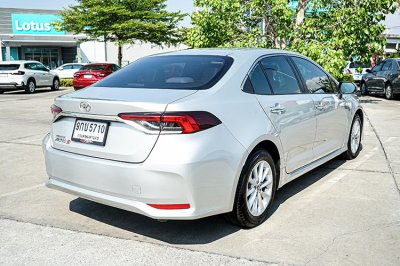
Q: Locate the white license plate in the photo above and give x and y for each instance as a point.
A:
(91, 132)
(2, 75)
(87, 76)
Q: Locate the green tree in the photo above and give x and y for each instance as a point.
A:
(328, 31)
(123, 22)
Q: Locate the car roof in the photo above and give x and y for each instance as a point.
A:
(99, 64)
(228, 52)
(73, 64)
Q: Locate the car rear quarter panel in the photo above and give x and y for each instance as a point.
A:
(239, 112)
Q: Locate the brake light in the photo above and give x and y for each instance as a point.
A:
(173, 122)
(19, 73)
(100, 75)
(348, 71)
(55, 110)
(170, 206)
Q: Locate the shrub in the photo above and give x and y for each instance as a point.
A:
(346, 77)
(66, 82)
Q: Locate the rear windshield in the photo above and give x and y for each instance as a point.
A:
(186, 72)
(9, 66)
(358, 64)
(93, 67)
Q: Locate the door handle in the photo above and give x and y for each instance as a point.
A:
(321, 106)
(277, 109)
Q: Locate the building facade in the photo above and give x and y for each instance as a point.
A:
(33, 34)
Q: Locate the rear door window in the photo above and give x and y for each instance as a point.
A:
(9, 66)
(77, 66)
(280, 75)
(187, 72)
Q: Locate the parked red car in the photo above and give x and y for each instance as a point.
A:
(91, 73)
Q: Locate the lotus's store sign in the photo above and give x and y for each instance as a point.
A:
(37, 24)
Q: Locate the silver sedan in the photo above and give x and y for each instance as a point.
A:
(196, 133)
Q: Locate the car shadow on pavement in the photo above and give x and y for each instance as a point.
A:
(369, 100)
(201, 231)
(38, 91)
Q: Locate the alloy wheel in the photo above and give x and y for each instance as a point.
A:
(31, 87)
(56, 84)
(355, 136)
(259, 188)
(388, 92)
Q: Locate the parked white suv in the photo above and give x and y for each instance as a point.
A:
(67, 71)
(27, 75)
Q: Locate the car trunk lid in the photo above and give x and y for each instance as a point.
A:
(124, 140)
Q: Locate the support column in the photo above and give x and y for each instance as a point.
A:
(105, 51)
(8, 51)
(78, 53)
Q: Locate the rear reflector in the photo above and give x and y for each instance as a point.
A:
(170, 206)
(174, 122)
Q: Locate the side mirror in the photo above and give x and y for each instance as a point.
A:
(47, 69)
(60, 68)
(347, 87)
(368, 70)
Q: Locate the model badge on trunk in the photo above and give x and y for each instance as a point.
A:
(85, 106)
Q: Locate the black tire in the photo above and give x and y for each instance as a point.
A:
(1, 91)
(349, 154)
(30, 86)
(388, 92)
(241, 214)
(56, 84)
(364, 88)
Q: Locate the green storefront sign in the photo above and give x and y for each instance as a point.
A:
(37, 24)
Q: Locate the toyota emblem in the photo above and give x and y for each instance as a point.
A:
(85, 106)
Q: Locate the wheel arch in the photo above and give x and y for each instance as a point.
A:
(30, 78)
(271, 145)
(388, 82)
(273, 150)
(360, 113)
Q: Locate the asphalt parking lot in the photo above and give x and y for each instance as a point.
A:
(342, 213)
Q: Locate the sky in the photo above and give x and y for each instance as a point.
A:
(186, 6)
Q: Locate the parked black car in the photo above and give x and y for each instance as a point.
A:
(384, 79)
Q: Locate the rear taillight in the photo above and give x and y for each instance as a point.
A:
(100, 75)
(76, 75)
(55, 110)
(19, 73)
(348, 71)
(173, 122)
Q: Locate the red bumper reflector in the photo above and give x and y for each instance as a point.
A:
(170, 206)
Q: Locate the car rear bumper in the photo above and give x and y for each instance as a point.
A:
(11, 85)
(78, 84)
(207, 181)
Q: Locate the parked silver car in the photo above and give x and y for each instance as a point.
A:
(195, 133)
